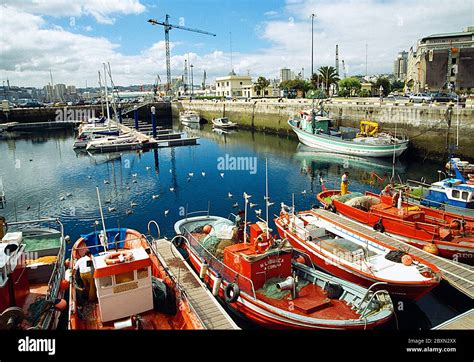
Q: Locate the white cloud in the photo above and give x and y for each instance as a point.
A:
(101, 10)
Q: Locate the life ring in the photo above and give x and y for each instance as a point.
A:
(231, 293)
(114, 258)
(262, 244)
(379, 226)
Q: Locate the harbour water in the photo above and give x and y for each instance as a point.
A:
(44, 176)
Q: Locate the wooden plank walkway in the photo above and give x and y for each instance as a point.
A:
(204, 303)
(462, 321)
(459, 275)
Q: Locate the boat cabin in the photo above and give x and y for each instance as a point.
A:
(254, 260)
(123, 283)
(451, 191)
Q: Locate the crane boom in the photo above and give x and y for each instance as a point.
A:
(167, 26)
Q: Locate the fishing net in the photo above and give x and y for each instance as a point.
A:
(270, 289)
(342, 198)
(363, 202)
(36, 309)
(395, 255)
(216, 246)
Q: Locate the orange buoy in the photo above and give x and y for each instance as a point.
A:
(431, 248)
(300, 259)
(207, 229)
(63, 284)
(60, 304)
(407, 260)
(67, 263)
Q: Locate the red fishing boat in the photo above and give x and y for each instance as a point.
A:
(357, 257)
(132, 288)
(32, 269)
(436, 231)
(259, 278)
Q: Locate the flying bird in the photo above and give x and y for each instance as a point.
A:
(171, 189)
(203, 174)
(167, 212)
(258, 212)
(155, 196)
(303, 192)
(252, 205)
(191, 174)
(129, 212)
(222, 174)
(112, 209)
(229, 195)
(236, 205)
(148, 168)
(62, 198)
(134, 174)
(133, 204)
(106, 182)
(69, 194)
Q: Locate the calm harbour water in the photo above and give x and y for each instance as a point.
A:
(44, 176)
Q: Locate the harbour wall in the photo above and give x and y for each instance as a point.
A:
(430, 128)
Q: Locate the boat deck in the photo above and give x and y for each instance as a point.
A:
(462, 321)
(205, 305)
(459, 275)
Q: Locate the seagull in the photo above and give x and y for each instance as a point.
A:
(129, 212)
(171, 189)
(203, 174)
(155, 196)
(69, 194)
(166, 212)
(134, 181)
(258, 212)
(89, 177)
(148, 168)
(134, 174)
(62, 198)
(270, 204)
(28, 207)
(108, 201)
(133, 204)
(128, 187)
(252, 205)
(112, 209)
(222, 174)
(303, 192)
(236, 205)
(106, 182)
(229, 195)
(188, 179)
(171, 170)
(191, 174)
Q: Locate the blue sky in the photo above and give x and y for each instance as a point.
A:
(73, 38)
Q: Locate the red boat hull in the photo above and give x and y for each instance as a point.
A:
(397, 290)
(417, 234)
(258, 313)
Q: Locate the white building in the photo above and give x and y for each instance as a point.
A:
(232, 85)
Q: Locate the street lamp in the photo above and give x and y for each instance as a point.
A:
(312, 44)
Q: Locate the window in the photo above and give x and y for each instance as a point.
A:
(455, 194)
(142, 273)
(105, 282)
(124, 277)
(465, 195)
(227, 83)
(240, 83)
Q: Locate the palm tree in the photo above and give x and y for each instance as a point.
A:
(328, 76)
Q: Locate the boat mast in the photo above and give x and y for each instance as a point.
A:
(394, 148)
(106, 94)
(267, 199)
(101, 98)
(246, 198)
(102, 217)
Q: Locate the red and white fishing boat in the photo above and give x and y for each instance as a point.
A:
(447, 234)
(259, 278)
(357, 257)
(133, 289)
(32, 270)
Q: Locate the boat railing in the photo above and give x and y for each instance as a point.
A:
(366, 308)
(227, 273)
(198, 212)
(369, 290)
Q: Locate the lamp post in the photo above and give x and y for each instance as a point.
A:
(312, 44)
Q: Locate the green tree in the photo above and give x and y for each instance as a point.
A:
(298, 85)
(398, 85)
(385, 83)
(328, 76)
(261, 84)
(349, 86)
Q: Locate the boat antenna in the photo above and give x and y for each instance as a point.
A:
(394, 148)
(106, 94)
(246, 198)
(267, 199)
(102, 217)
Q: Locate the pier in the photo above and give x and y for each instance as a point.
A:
(462, 321)
(459, 275)
(205, 305)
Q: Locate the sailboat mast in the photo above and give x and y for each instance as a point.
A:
(101, 98)
(394, 148)
(106, 94)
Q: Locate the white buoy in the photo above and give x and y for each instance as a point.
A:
(217, 285)
(203, 271)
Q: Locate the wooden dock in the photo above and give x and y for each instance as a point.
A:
(204, 303)
(462, 321)
(459, 275)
